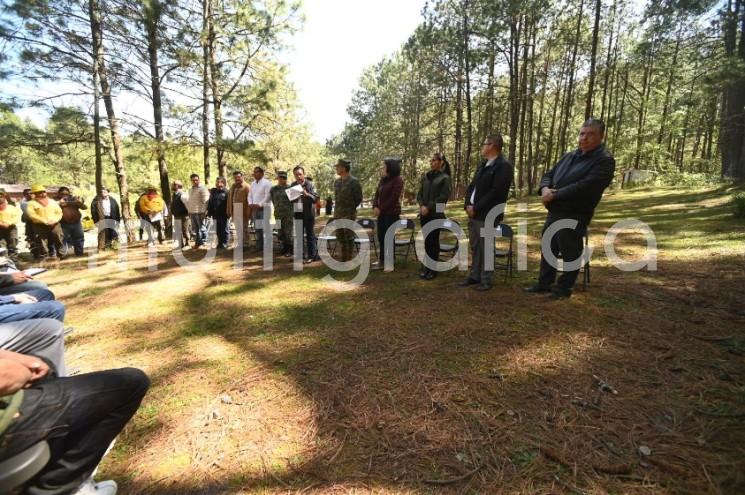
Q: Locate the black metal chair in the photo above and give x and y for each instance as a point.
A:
(503, 258)
(586, 268)
(450, 247)
(20, 468)
(400, 242)
(369, 225)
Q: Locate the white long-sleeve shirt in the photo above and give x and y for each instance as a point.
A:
(259, 192)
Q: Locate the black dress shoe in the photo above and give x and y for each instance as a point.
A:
(430, 275)
(468, 281)
(558, 294)
(423, 273)
(537, 289)
(482, 287)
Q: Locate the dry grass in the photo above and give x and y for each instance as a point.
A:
(273, 383)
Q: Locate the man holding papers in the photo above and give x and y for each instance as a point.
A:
(307, 199)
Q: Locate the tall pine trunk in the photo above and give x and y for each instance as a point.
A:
(116, 140)
(152, 12)
(593, 60)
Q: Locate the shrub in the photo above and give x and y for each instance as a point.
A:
(739, 202)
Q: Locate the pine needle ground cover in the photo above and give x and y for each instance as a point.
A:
(276, 382)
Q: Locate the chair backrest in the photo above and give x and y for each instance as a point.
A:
(505, 231)
(20, 468)
(448, 222)
(406, 224)
(366, 223)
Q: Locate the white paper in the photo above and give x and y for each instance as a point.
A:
(294, 192)
(34, 271)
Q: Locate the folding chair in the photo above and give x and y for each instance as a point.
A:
(20, 468)
(399, 242)
(586, 268)
(504, 232)
(447, 247)
(328, 239)
(369, 225)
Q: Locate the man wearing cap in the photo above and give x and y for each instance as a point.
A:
(283, 212)
(348, 194)
(238, 202)
(154, 209)
(71, 216)
(46, 214)
(9, 218)
(104, 207)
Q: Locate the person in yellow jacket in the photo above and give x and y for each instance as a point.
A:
(45, 215)
(153, 208)
(9, 216)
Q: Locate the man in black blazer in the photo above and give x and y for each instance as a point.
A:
(571, 190)
(488, 189)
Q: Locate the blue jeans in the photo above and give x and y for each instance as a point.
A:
(197, 227)
(40, 290)
(73, 237)
(32, 311)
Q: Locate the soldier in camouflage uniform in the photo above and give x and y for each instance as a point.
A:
(348, 196)
(283, 213)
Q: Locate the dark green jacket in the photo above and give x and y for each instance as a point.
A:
(282, 205)
(435, 189)
(348, 197)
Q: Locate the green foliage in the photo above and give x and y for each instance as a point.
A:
(687, 179)
(739, 203)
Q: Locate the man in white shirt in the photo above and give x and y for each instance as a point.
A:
(196, 205)
(258, 198)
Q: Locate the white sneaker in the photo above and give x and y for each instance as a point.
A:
(90, 487)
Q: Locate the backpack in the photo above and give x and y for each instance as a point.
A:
(178, 208)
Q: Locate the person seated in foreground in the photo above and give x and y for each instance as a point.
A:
(78, 416)
(28, 306)
(43, 337)
(16, 282)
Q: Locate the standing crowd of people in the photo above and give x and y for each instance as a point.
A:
(80, 416)
(570, 190)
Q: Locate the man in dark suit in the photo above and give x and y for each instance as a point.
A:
(104, 207)
(308, 214)
(488, 189)
(571, 191)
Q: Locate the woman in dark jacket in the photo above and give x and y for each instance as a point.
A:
(435, 189)
(387, 201)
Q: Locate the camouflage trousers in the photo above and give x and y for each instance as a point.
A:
(285, 233)
(345, 241)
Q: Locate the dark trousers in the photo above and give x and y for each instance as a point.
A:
(309, 224)
(106, 237)
(384, 223)
(10, 236)
(52, 236)
(73, 237)
(223, 231)
(182, 238)
(79, 416)
(432, 241)
(567, 245)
